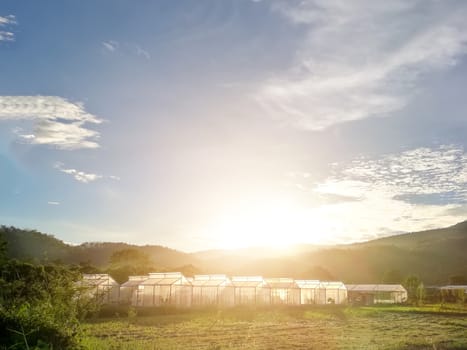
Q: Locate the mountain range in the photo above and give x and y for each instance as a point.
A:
(434, 256)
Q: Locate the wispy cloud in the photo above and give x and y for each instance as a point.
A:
(78, 175)
(57, 122)
(6, 36)
(126, 48)
(53, 203)
(82, 176)
(412, 190)
(5, 22)
(110, 45)
(142, 52)
(422, 171)
(10, 19)
(362, 58)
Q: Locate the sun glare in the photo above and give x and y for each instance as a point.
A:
(272, 224)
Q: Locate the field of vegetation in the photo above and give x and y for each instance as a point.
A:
(44, 305)
(390, 327)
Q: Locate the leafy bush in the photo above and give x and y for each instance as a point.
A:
(40, 307)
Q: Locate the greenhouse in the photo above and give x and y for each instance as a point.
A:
(283, 291)
(212, 290)
(318, 292)
(101, 286)
(250, 290)
(161, 289)
(129, 292)
(367, 294)
(309, 291)
(454, 293)
(334, 293)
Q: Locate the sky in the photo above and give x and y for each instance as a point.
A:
(202, 124)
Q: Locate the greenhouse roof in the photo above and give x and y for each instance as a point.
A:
(210, 280)
(210, 283)
(166, 275)
(164, 279)
(248, 281)
(333, 284)
(210, 277)
(281, 283)
(98, 279)
(134, 281)
(454, 287)
(308, 283)
(375, 288)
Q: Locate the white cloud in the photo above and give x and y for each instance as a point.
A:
(422, 171)
(82, 176)
(6, 21)
(6, 36)
(363, 58)
(57, 122)
(141, 52)
(78, 175)
(111, 45)
(126, 48)
(414, 190)
(53, 203)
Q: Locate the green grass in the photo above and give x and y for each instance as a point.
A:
(395, 327)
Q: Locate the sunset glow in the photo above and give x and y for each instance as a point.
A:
(222, 124)
(268, 224)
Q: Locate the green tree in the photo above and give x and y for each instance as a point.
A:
(128, 262)
(411, 284)
(87, 267)
(188, 270)
(3, 251)
(126, 256)
(39, 306)
(421, 293)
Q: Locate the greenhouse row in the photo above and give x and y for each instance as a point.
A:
(174, 289)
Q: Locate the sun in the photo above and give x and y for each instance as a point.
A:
(278, 223)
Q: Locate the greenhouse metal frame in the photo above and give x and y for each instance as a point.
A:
(102, 287)
(212, 290)
(309, 291)
(283, 291)
(174, 289)
(376, 293)
(129, 291)
(251, 290)
(163, 289)
(334, 293)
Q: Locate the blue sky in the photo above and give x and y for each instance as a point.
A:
(204, 124)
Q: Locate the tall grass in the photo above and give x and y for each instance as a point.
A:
(378, 327)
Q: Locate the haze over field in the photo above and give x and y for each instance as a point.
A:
(225, 124)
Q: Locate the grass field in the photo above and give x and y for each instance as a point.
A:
(395, 327)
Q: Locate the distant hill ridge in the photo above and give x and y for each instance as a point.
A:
(433, 255)
(36, 246)
(421, 238)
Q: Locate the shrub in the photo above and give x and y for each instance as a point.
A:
(39, 306)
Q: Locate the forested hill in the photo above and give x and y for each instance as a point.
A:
(36, 246)
(435, 256)
(33, 245)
